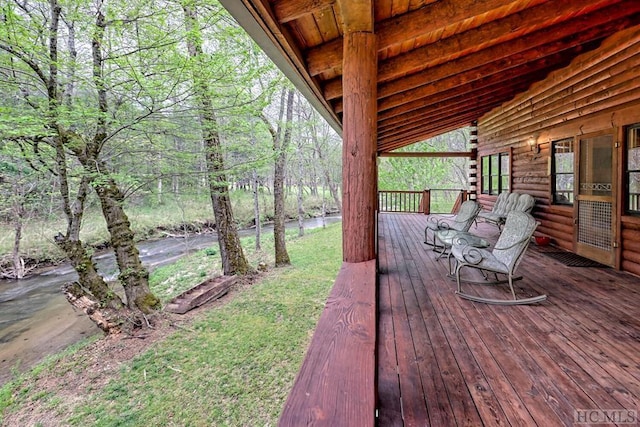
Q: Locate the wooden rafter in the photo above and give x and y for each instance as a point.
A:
(427, 154)
(396, 30)
(439, 62)
(290, 10)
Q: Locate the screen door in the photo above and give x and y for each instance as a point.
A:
(595, 198)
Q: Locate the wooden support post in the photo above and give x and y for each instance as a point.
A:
(462, 197)
(426, 202)
(359, 146)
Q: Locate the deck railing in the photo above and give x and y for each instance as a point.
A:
(401, 201)
(336, 383)
(435, 200)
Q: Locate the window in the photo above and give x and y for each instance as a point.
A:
(484, 167)
(633, 170)
(495, 173)
(562, 171)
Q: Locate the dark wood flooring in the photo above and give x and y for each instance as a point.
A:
(444, 361)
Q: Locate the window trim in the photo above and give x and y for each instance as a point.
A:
(627, 172)
(486, 176)
(553, 172)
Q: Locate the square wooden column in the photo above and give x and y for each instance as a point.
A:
(359, 176)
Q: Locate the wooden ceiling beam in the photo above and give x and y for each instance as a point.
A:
(419, 134)
(429, 154)
(357, 15)
(395, 30)
(459, 106)
(588, 27)
(535, 45)
(527, 61)
(435, 119)
(482, 77)
(290, 10)
(430, 18)
(325, 57)
(440, 128)
(428, 113)
(502, 71)
(494, 33)
(419, 131)
(496, 84)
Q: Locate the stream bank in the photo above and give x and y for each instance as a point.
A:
(36, 320)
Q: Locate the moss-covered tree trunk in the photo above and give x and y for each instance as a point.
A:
(233, 259)
(91, 292)
(133, 276)
(280, 148)
(88, 276)
(91, 286)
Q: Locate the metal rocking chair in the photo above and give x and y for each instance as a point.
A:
(504, 258)
(467, 213)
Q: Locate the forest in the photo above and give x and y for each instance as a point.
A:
(111, 106)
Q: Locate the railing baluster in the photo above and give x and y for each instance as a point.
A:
(439, 200)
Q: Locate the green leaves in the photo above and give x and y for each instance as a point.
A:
(419, 173)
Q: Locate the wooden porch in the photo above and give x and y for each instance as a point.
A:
(446, 361)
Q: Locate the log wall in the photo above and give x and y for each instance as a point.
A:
(598, 91)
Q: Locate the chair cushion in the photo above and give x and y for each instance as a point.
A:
(498, 206)
(482, 258)
(525, 203)
(509, 204)
(436, 222)
(505, 203)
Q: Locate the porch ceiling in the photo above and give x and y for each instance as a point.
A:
(441, 63)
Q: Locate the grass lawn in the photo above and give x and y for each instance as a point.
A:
(233, 365)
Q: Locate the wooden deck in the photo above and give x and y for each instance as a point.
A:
(446, 361)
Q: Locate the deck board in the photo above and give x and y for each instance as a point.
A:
(443, 360)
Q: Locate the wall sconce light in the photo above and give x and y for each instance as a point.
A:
(533, 146)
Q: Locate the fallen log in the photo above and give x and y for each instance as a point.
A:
(106, 319)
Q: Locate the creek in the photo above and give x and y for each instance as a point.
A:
(36, 320)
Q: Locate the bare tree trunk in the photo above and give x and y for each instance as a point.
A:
(300, 189)
(255, 185)
(333, 188)
(18, 262)
(256, 208)
(233, 259)
(159, 190)
(18, 215)
(300, 212)
(324, 211)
